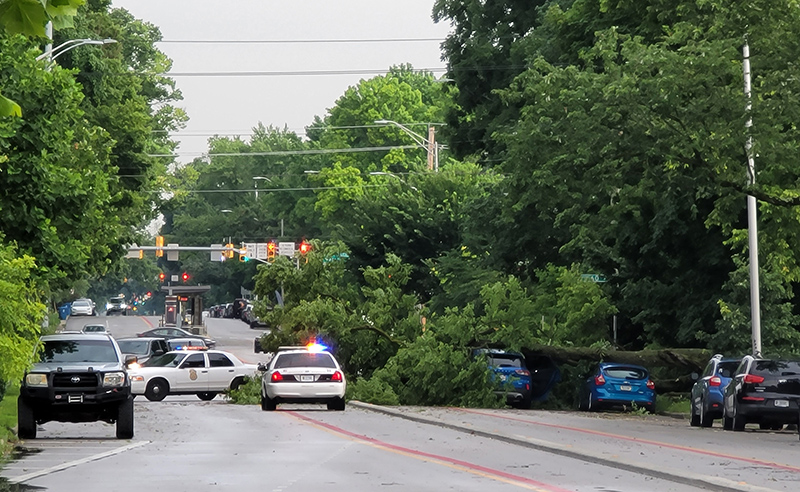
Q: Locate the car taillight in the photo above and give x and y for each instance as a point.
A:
(599, 380)
(336, 376)
(276, 376)
(715, 381)
(650, 384)
(523, 372)
(753, 379)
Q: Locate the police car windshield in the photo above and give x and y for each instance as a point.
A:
(305, 359)
(166, 360)
(65, 351)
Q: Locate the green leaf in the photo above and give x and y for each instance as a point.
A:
(9, 107)
(23, 16)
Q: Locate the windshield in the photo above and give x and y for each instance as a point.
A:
(310, 359)
(133, 346)
(776, 368)
(625, 372)
(499, 360)
(166, 360)
(81, 303)
(93, 328)
(65, 351)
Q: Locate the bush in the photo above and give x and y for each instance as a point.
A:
(248, 393)
(373, 390)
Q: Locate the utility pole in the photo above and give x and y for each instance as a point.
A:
(752, 222)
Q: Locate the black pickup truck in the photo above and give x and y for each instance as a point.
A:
(78, 377)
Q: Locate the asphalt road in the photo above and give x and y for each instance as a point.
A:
(184, 444)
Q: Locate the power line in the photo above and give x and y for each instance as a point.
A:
(287, 152)
(296, 41)
(295, 73)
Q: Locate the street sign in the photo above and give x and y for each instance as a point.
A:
(261, 251)
(172, 252)
(250, 249)
(593, 277)
(217, 254)
(286, 249)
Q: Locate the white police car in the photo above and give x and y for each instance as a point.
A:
(308, 374)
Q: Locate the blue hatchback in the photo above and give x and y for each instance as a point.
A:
(708, 390)
(614, 384)
(511, 376)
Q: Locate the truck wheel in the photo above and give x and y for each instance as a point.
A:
(26, 422)
(156, 390)
(125, 420)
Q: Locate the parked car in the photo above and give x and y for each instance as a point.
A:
(82, 307)
(511, 376)
(708, 390)
(614, 384)
(763, 391)
(187, 344)
(143, 347)
(169, 332)
(302, 375)
(249, 317)
(182, 372)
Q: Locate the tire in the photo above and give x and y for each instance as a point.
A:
(156, 390)
(337, 404)
(776, 427)
(236, 383)
(125, 420)
(737, 422)
(257, 346)
(727, 423)
(705, 418)
(590, 405)
(207, 395)
(694, 420)
(764, 427)
(26, 421)
(268, 404)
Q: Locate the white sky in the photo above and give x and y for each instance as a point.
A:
(235, 104)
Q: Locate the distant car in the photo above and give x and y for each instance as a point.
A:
(117, 305)
(763, 391)
(187, 372)
(249, 317)
(165, 332)
(302, 375)
(143, 347)
(186, 344)
(708, 390)
(94, 328)
(511, 376)
(614, 384)
(82, 307)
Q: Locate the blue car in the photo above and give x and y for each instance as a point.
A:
(708, 390)
(511, 376)
(614, 384)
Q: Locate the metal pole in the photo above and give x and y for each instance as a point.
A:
(752, 219)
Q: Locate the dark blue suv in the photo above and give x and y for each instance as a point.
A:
(708, 390)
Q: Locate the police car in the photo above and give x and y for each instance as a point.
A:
(307, 374)
(190, 372)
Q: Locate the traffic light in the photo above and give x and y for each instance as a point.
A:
(162, 276)
(272, 249)
(159, 244)
(243, 254)
(229, 250)
(304, 248)
(185, 277)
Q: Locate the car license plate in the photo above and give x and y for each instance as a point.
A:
(503, 377)
(625, 387)
(782, 403)
(306, 378)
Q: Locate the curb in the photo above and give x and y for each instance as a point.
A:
(676, 476)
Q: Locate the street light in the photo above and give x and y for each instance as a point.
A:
(429, 144)
(256, 179)
(383, 173)
(52, 53)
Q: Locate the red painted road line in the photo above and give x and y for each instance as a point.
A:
(705, 452)
(144, 318)
(470, 466)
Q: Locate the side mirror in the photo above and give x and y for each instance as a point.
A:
(695, 376)
(130, 359)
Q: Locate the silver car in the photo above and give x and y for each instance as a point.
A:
(82, 307)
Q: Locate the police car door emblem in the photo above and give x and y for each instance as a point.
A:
(192, 374)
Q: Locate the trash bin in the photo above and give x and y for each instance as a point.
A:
(64, 309)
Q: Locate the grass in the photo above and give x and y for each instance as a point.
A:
(8, 421)
(673, 403)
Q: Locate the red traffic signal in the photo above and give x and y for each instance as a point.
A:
(162, 276)
(185, 277)
(304, 248)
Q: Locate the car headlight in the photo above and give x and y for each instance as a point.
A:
(114, 379)
(34, 379)
(108, 305)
